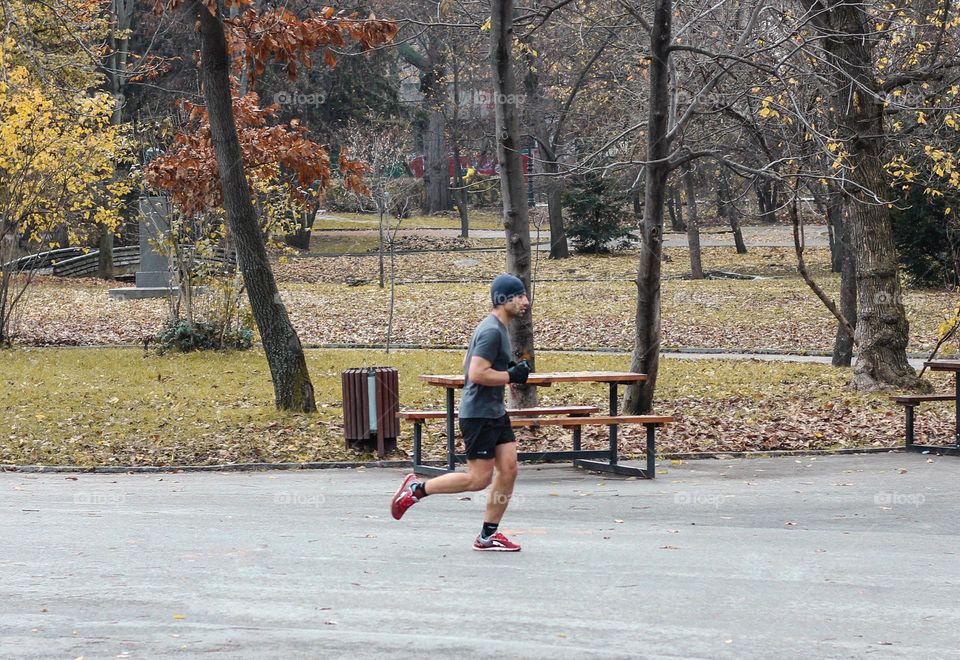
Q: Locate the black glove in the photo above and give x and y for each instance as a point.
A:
(519, 371)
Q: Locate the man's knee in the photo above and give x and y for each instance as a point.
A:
(509, 470)
(480, 479)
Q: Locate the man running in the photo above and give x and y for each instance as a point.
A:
(484, 423)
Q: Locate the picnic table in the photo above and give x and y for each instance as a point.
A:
(954, 366)
(581, 458)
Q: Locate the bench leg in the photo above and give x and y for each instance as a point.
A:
(651, 451)
(417, 443)
(451, 459)
(909, 437)
(956, 410)
(614, 450)
(577, 437)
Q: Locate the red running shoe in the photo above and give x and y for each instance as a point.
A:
(496, 543)
(404, 497)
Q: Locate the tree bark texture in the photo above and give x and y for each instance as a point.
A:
(843, 343)
(693, 228)
(728, 209)
(516, 222)
(436, 158)
(882, 329)
(288, 368)
(559, 248)
(647, 333)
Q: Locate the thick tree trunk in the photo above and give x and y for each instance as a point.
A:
(300, 237)
(729, 210)
(882, 329)
(436, 157)
(515, 219)
(693, 227)
(843, 343)
(646, 350)
(559, 249)
(291, 381)
(436, 176)
(105, 257)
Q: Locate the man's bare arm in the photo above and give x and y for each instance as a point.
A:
(482, 373)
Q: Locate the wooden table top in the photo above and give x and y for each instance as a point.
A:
(457, 380)
(943, 365)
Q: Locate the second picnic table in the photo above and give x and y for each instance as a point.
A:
(613, 379)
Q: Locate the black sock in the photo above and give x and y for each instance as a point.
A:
(420, 489)
(489, 529)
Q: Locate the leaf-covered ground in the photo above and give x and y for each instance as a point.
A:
(127, 407)
(582, 302)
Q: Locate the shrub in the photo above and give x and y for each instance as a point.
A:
(183, 336)
(598, 217)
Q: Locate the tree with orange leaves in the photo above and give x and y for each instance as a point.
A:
(231, 139)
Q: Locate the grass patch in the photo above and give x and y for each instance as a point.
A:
(344, 242)
(125, 407)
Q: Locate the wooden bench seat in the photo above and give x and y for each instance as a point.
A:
(911, 401)
(606, 420)
(414, 415)
(916, 399)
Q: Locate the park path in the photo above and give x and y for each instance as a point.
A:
(830, 556)
(815, 236)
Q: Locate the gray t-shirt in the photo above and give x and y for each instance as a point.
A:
(491, 341)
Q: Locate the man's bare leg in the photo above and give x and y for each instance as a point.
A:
(477, 477)
(502, 488)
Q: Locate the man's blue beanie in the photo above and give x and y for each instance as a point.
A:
(504, 288)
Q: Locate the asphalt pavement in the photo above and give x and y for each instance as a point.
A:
(828, 557)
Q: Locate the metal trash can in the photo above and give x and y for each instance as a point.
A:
(371, 408)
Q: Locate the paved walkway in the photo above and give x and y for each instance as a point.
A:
(816, 236)
(846, 556)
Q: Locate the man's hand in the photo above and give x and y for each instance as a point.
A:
(519, 371)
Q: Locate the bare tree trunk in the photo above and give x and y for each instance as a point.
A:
(646, 350)
(460, 197)
(693, 228)
(291, 381)
(728, 209)
(121, 15)
(843, 343)
(300, 237)
(381, 203)
(676, 210)
(436, 166)
(515, 219)
(767, 200)
(559, 249)
(882, 330)
(105, 257)
(436, 158)
(838, 230)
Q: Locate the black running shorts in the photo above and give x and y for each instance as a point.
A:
(482, 435)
